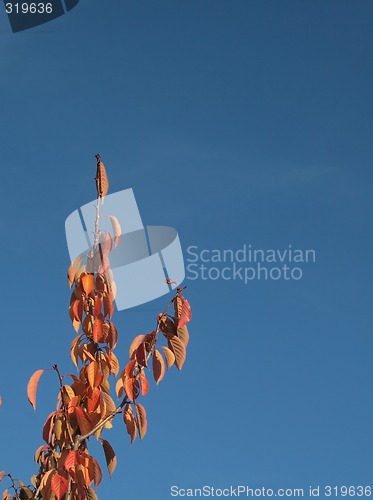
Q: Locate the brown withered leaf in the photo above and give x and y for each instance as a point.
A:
(111, 459)
(97, 473)
(183, 335)
(169, 355)
(91, 494)
(102, 182)
(141, 355)
(32, 387)
(117, 230)
(158, 366)
(178, 348)
(141, 420)
(166, 325)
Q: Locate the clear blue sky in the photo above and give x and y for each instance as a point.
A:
(235, 122)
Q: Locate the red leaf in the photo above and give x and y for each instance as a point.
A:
(71, 460)
(59, 485)
(186, 314)
(32, 387)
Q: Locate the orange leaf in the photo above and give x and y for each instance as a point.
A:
(98, 305)
(59, 485)
(169, 355)
(130, 422)
(111, 459)
(32, 387)
(2, 474)
(144, 384)
(77, 308)
(158, 366)
(130, 368)
(88, 283)
(141, 420)
(116, 229)
(83, 419)
(98, 329)
(178, 348)
(108, 306)
(135, 343)
(132, 388)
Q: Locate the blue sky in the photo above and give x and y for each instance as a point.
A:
(234, 122)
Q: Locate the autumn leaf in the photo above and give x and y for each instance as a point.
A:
(88, 283)
(77, 309)
(132, 388)
(178, 348)
(83, 419)
(111, 459)
(32, 387)
(2, 474)
(158, 366)
(135, 344)
(71, 460)
(144, 383)
(141, 420)
(183, 335)
(73, 270)
(102, 183)
(186, 314)
(59, 485)
(117, 230)
(130, 422)
(141, 355)
(169, 355)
